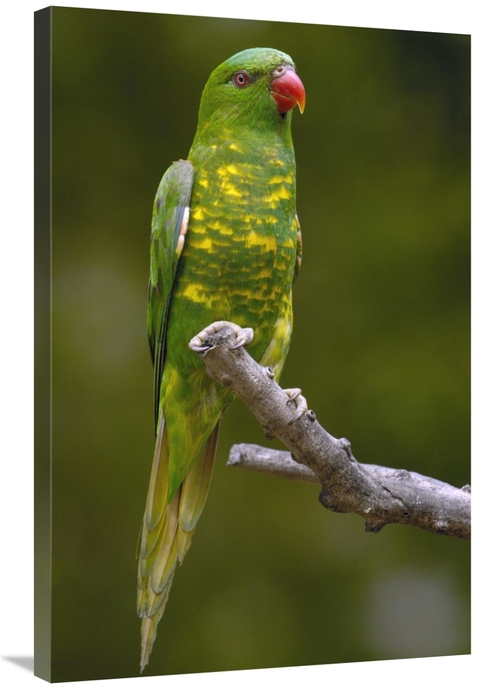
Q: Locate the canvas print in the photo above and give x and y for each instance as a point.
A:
(252, 344)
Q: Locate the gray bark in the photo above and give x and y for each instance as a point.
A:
(378, 494)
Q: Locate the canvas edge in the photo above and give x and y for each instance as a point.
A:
(42, 349)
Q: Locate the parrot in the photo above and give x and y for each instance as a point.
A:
(226, 247)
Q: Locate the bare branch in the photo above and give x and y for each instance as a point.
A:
(378, 494)
(271, 462)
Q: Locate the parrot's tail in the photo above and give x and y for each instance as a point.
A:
(166, 532)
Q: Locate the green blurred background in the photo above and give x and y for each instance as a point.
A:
(380, 347)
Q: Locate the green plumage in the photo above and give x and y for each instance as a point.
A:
(225, 245)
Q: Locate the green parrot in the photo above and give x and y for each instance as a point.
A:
(225, 246)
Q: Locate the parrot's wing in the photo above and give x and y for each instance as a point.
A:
(169, 226)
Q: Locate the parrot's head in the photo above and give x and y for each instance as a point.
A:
(254, 88)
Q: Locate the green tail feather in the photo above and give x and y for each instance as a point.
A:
(167, 531)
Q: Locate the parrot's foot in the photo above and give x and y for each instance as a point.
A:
(295, 396)
(204, 340)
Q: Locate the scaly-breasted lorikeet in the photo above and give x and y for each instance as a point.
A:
(225, 246)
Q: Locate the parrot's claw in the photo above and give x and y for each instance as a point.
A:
(198, 347)
(243, 337)
(295, 395)
(203, 341)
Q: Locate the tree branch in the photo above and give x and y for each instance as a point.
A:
(378, 494)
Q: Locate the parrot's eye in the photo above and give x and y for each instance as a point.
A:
(240, 79)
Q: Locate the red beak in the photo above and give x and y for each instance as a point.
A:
(288, 91)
